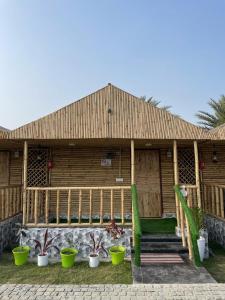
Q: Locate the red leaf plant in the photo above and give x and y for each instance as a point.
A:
(48, 243)
(115, 231)
(97, 245)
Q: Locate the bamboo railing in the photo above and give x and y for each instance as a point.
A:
(213, 199)
(40, 205)
(137, 227)
(191, 201)
(192, 231)
(10, 201)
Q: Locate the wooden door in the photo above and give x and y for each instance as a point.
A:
(4, 168)
(147, 176)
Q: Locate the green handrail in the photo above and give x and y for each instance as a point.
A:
(193, 228)
(137, 226)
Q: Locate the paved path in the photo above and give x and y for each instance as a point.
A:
(116, 292)
(175, 273)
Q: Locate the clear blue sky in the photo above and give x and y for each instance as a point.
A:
(54, 52)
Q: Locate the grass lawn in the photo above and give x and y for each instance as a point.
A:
(216, 264)
(154, 226)
(55, 274)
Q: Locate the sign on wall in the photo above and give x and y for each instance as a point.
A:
(106, 162)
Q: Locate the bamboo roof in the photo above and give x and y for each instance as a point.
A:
(218, 133)
(3, 132)
(110, 113)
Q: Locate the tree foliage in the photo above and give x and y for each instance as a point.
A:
(217, 117)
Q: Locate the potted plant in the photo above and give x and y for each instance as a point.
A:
(198, 216)
(96, 247)
(20, 253)
(68, 255)
(117, 254)
(44, 247)
(115, 231)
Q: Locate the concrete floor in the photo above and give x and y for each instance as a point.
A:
(171, 273)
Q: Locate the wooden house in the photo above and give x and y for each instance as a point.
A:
(75, 166)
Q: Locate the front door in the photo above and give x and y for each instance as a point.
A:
(147, 175)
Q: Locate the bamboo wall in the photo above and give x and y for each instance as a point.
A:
(82, 167)
(213, 172)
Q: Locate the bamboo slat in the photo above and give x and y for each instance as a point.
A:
(57, 206)
(101, 206)
(69, 207)
(46, 206)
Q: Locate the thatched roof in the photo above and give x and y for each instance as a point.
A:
(218, 133)
(3, 132)
(110, 113)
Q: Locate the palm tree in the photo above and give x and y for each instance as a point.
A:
(217, 117)
(155, 103)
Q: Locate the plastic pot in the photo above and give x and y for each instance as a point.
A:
(68, 257)
(42, 260)
(21, 255)
(201, 247)
(117, 254)
(93, 260)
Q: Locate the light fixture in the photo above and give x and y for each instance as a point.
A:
(148, 144)
(17, 154)
(214, 156)
(71, 144)
(169, 153)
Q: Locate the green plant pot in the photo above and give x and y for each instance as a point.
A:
(68, 257)
(21, 255)
(117, 254)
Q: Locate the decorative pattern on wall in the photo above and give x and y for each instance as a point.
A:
(78, 238)
(186, 164)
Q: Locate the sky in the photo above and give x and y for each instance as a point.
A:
(54, 52)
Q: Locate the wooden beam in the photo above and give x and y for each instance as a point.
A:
(176, 179)
(25, 160)
(197, 179)
(132, 163)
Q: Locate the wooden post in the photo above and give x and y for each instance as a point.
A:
(91, 207)
(112, 205)
(221, 203)
(176, 179)
(46, 206)
(57, 206)
(132, 163)
(36, 207)
(197, 179)
(69, 207)
(101, 206)
(25, 159)
(80, 207)
(122, 205)
(132, 182)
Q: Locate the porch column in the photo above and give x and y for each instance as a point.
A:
(132, 162)
(25, 156)
(176, 179)
(197, 179)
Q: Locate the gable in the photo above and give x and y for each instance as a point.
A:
(109, 113)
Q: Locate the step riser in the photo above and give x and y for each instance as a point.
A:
(183, 251)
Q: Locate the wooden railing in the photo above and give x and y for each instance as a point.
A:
(188, 222)
(75, 206)
(213, 199)
(10, 201)
(192, 201)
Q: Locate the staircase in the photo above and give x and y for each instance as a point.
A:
(162, 249)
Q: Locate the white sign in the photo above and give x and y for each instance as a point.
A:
(106, 162)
